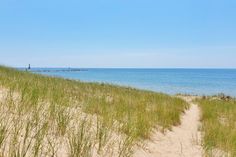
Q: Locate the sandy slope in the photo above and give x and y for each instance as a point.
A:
(114, 141)
(182, 141)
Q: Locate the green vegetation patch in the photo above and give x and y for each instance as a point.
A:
(219, 124)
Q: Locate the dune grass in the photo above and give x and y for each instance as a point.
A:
(44, 116)
(219, 125)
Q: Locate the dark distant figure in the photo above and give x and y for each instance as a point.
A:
(29, 67)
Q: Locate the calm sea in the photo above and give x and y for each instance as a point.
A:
(171, 81)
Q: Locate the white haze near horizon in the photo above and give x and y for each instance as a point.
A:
(161, 58)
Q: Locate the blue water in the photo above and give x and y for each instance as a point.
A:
(171, 81)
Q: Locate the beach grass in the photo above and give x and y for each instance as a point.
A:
(219, 126)
(44, 116)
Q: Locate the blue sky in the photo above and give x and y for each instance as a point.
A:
(118, 33)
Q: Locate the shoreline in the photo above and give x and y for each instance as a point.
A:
(44, 73)
(161, 81)
(220, 94)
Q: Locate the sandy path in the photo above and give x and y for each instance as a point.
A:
(182, 141)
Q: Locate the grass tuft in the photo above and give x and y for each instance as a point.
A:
(219, 125)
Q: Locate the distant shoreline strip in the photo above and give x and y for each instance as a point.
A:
(56, 70)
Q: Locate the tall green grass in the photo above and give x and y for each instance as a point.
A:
(46, 115)
(219, 125)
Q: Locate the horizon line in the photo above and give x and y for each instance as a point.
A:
(233, 68)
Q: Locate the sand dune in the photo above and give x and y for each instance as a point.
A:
(182, 141)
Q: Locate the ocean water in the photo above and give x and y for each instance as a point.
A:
(170, 81)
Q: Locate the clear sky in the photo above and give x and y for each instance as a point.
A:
(118, 33)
